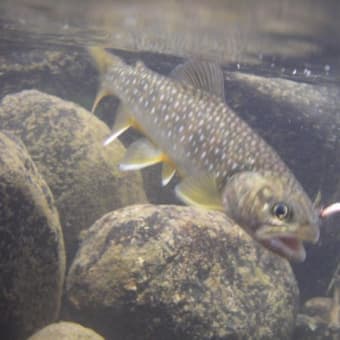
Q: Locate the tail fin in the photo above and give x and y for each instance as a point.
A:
(103, 60)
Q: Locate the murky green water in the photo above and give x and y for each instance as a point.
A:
(281, 61)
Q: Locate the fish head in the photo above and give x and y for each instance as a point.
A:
(274, 209)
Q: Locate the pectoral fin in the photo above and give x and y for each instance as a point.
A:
(122, 123)
(202, 75)
(168, 171)
(199, 191)
(141, 154)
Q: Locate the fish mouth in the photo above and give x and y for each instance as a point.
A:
(288, 247)
(288, 244)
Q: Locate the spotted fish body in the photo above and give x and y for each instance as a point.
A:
(224, 164)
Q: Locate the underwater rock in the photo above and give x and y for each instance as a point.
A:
(171, 272)
(32, 251)
(319, 320)
(65, 72)
(65, 331)
(65, 141)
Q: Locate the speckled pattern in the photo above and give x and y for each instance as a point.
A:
(169, 272)
(66, 331)
(195, 129)
(65, 141)
(31, 245)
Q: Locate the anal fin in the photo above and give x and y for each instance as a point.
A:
(122, 123)
(140, 154)
(200, 191)
(168, 171)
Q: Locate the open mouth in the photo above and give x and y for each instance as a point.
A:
(287, 246)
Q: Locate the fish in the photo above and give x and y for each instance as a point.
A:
(222, 163)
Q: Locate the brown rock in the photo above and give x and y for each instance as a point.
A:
(65, 141)
(65, 331)
(31, 245)
(170, 272)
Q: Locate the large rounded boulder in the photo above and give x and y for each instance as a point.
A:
(66, 143)
(170, 272)
(32, 251)
(66, 331)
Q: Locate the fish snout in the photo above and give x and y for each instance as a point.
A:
(309, 233)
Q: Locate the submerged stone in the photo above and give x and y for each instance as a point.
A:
(66, 143)
(65, 331)
(32, 251)
(170, 272)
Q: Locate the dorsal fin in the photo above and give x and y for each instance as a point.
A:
(202, 75)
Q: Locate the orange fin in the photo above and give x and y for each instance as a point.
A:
(141, 154)
(200, 191)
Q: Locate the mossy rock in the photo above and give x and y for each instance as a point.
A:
(31, 245)
(65, 331)
(170, 272)
(65, 142)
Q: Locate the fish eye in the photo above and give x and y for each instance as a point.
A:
(280, 210)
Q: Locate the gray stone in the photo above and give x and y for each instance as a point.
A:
(65, 141)
(170, 272)
(31, 245)
(65, 331)
(60, 71)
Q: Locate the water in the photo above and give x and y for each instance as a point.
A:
(281, 61)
